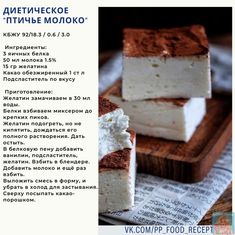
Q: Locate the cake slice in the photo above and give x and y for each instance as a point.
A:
(168, 63)
(117, 172)
(113, 126)
(174, 119)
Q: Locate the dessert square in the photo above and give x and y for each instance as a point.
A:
(167, 63)
(174, 119)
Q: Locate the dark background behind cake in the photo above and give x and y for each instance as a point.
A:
(217, 21)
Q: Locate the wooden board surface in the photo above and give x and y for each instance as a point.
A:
(188, 162)
(223, 204)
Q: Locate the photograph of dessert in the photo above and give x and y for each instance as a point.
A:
(169, 81)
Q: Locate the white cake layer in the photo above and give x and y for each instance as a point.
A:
(164, 119)
(117, 187)
(113, 135)
(173, 77)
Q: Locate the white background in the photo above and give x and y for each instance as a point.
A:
(60, 215)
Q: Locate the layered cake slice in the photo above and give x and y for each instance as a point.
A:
(169, 63)
(117, 161)
(174, 119)
(117, 172)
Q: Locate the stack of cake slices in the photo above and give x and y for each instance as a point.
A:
(166, 79)
(117, 162)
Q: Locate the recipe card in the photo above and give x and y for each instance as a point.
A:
(116, 117)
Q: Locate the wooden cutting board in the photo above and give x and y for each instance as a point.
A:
(188, 162)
